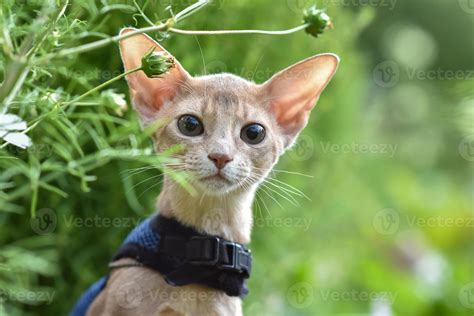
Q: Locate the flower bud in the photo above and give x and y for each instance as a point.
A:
(317, 19)
(155, 64)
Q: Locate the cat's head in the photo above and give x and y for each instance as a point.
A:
(232, 130)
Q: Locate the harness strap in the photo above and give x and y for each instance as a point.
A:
(185, 256)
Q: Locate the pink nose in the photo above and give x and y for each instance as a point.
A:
(220, 160)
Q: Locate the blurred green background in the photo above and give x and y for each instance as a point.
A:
(386, 160)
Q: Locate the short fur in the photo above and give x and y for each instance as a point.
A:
(225, 104)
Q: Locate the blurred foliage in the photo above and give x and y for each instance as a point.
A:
(376, 236)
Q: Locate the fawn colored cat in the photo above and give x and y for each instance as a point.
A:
(232, 132)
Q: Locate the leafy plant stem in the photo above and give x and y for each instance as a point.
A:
(102, 85)
(227, 32)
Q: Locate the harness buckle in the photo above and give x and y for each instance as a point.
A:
(206, 250)
(239, 258)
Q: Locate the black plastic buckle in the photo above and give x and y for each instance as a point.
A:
(240, 257)
(215, 247)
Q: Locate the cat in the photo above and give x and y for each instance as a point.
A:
(233, 132)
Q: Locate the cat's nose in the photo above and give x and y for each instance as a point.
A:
(220, 160)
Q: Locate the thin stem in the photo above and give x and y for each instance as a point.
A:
(17, 69)
(161, 27)
(104, 42)
(142, 13)
(16, 88)
(101, 86)
(190, 10)
(35, 122)
(225, 32)
(101, 43)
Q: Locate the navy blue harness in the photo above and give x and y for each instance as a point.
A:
(183, 256)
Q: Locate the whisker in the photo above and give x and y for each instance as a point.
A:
(147, 179)
(288, 172)
(284, 190)
(289, 198)
(271, 196)
(289, 188)
(152, 186)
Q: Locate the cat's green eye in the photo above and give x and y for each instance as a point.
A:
(190, 125)
(253, 133)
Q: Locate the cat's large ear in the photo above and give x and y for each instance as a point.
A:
(149, 94)
(293, 92)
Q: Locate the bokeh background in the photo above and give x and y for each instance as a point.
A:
(386, 161)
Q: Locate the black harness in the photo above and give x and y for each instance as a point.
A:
(185, 256)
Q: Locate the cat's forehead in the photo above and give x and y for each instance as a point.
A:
(227, 87)
(224, 94)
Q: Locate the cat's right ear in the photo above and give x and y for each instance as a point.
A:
(149, 94)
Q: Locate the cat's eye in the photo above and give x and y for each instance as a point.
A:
(190, 125)
(253, 133)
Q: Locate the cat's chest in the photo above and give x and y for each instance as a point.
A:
(146, 293)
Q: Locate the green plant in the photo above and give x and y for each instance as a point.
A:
(59, 127)
(92, 163)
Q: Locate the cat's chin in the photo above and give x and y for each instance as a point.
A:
(215, 185)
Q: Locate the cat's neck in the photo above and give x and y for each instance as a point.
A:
(228, 216)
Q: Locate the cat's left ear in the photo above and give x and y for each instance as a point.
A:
(293, 92)
(149, 94)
